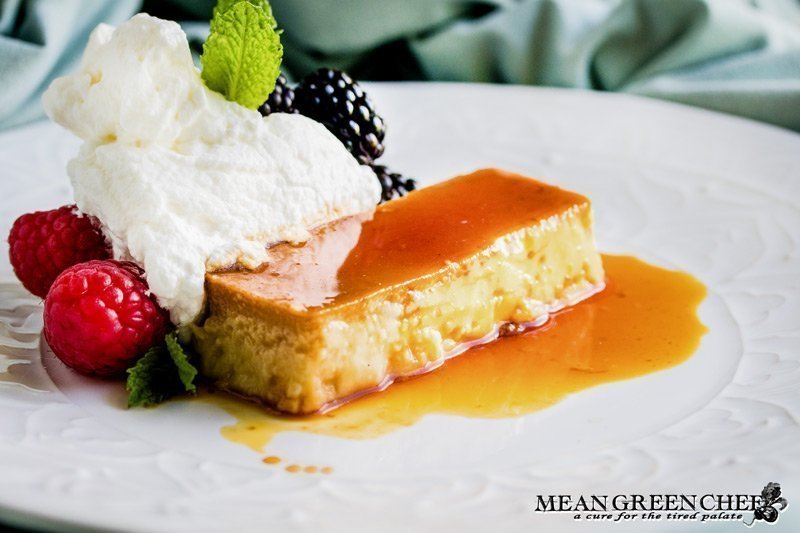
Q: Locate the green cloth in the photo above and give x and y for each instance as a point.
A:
(736, 56)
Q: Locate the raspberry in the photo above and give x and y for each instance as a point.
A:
(99, 317)
(43, 244)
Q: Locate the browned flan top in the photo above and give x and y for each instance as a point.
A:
(401, 241)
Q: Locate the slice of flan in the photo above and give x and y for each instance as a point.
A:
(395, 292)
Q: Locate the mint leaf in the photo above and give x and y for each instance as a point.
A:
(242, 55)
(224, 5)
(161, 373)
(151, 380)
(186, 370)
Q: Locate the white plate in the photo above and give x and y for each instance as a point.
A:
(706, 193)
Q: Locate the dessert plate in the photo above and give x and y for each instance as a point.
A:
(682, 188)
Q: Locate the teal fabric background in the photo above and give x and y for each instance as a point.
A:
(736, 56)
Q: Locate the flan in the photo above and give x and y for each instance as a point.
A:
(392, 293)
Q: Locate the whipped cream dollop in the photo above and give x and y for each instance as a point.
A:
(182, 179)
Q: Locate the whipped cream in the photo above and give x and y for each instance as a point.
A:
(184, 180)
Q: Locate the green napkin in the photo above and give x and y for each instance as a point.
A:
(736, 56)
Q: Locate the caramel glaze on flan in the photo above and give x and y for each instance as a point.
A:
(395, 292)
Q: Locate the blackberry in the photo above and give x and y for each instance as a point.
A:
(281, 99)
(393, 184)
(332, 97)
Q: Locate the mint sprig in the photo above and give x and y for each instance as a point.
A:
(242, 55)
(224, 5)
(161, 373)
(186, 370)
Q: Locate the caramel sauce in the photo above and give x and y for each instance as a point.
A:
(644, 321)
(357, 256)
(273, 460)
(311, 469)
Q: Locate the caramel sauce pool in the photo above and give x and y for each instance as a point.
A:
(644, 321)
